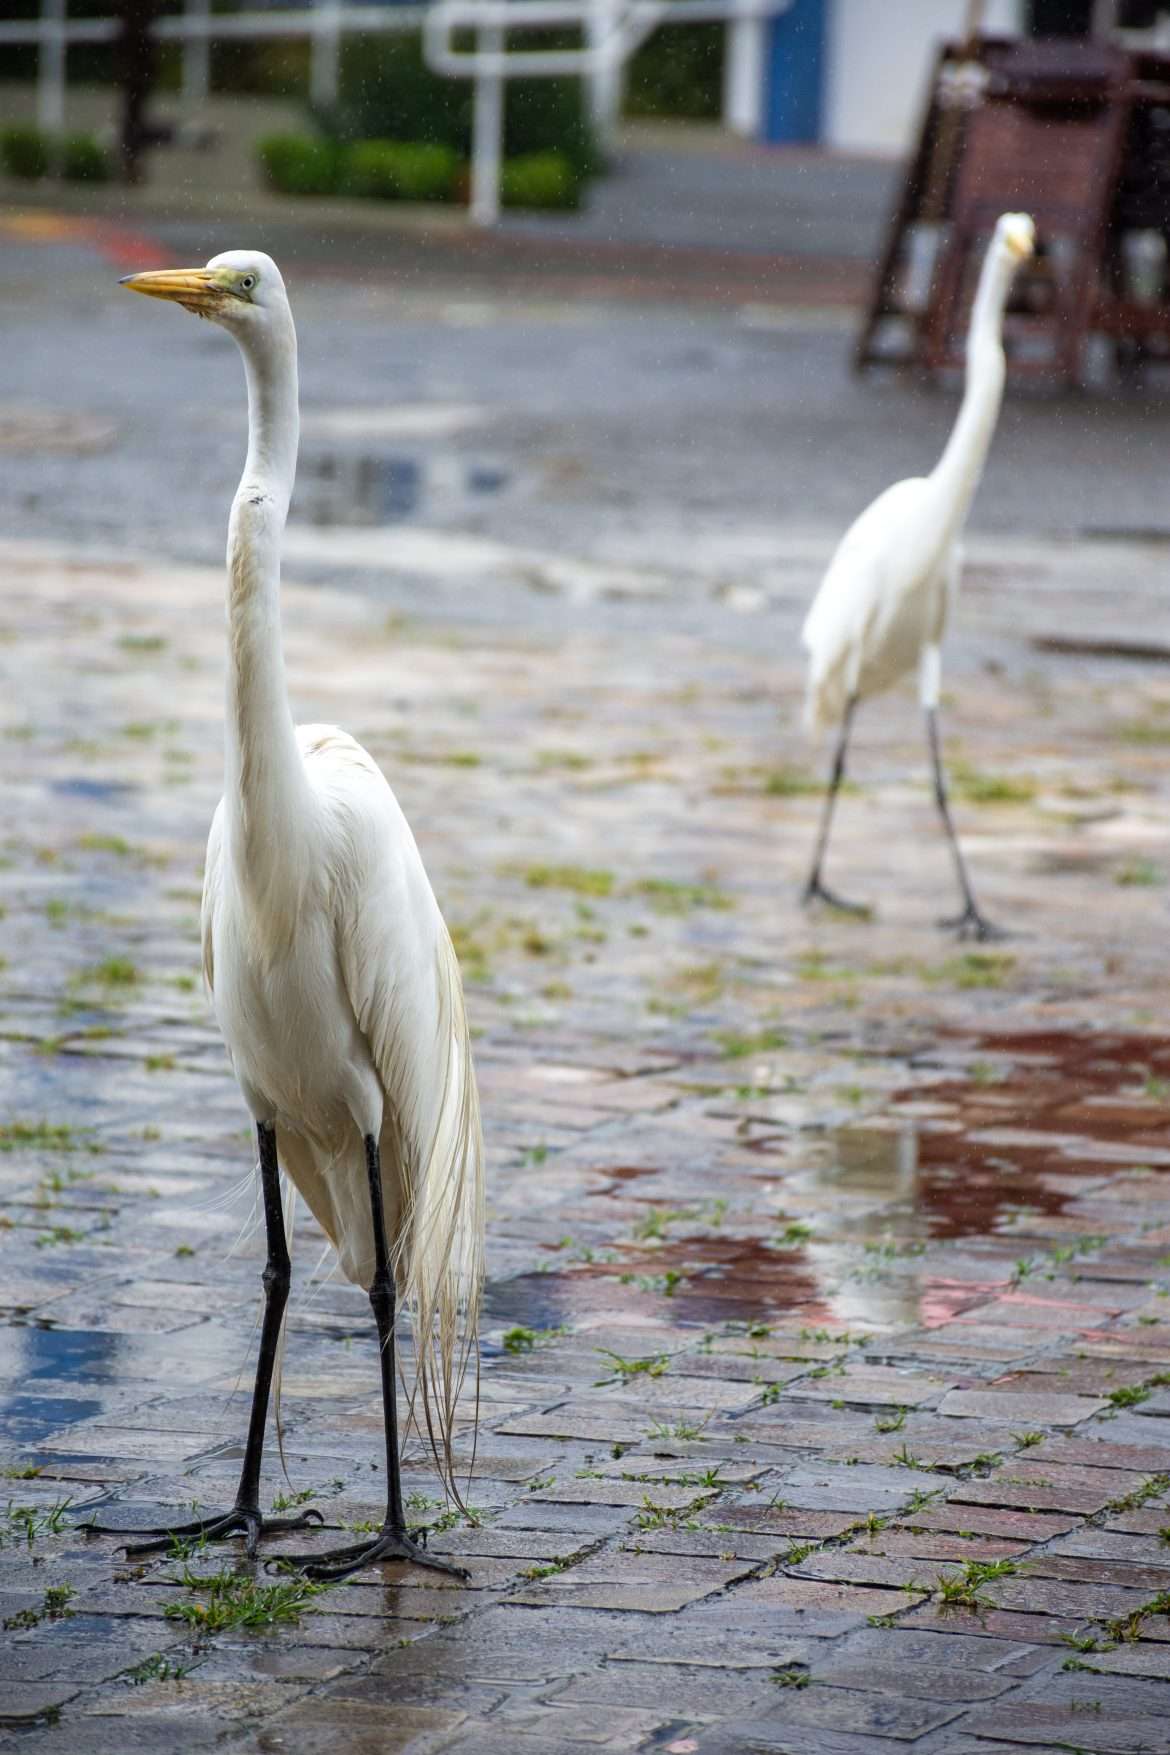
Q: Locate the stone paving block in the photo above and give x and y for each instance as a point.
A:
(193, 1697)
(922, 1545)
(882, 1715)
(1151, 1579)
(1070, 1727)
(646, 1599)
(609, 1491)
(685, 1691)
(1110, 1544)
(1024, 1410)
(723, 1543)
(1035, 1493)
(731, 1646)
(631, 1564)
(851, 1568)
(798, 1522)
(929, 1682)
(1102, 1452)
(1013, 1525)
(872, 1386)
(565, 1422)
(26, 1702)
(1042, 1596)
(1145, 1659)
(315, 1727)
(788, 1738)
(902, 1645)
(994, 1623)
(820, 1599)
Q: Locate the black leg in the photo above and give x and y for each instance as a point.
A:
(815, 890)
(393, 1542)
(244, 1518)
(970, 923)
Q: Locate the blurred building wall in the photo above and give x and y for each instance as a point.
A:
(878, 54)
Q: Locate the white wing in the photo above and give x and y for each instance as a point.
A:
(402, 977)
(878, 559)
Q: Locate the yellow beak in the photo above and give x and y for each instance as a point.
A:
(196, 289)
(1020, 236)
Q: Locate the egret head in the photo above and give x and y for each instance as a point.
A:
(1016, 234)
(242, 290)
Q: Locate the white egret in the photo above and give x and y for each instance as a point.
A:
(882, 605)
(333, 977)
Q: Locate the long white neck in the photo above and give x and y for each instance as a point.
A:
(957, 473)
(265, 786)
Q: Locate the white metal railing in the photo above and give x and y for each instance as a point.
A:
(612, 30)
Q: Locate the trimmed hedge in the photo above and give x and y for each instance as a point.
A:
(409, 170)
(540, 179)
(25, 152)
(83, 160)
(397, 170)
(678, 71)
(389, 93)
(300, 164)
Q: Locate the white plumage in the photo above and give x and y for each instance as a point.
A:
(882, 606)
(341, 1004)
(334, 979)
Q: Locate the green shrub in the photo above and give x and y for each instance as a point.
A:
(25, 152)
(389, 93)
(395, 170)
(299, 164)
(83, 160)
(678, 71)
(540, 179)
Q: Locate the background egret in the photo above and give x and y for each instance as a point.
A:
(883, 602)
(333, 976)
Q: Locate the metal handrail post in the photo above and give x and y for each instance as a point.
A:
(197, 54)
(487, 137)
(51, 68)
(325, 61)
(605, 81)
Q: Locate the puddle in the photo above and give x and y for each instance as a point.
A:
(963, 1158)
(78, 787)
(1066, 1105)
(26, 1419)
(719, 1279)
(374, 488)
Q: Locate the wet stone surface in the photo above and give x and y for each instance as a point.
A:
(826, 1360)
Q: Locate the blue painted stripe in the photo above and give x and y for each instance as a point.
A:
(796, 73)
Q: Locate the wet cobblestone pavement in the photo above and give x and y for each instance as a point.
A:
(827, 1352)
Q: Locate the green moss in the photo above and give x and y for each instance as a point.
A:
(738, 1047)
(1144, 733)
(668, 897)
(142, 644)
(112, 972)
(974, 787)
(975, 969)
(581, 880)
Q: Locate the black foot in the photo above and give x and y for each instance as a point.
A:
(241, 1520)
(970, 924)
(815, 891)
(391, 1544)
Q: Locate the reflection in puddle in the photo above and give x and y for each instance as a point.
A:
(376, 489)
(702, 1280)
(1005, 1139)
(77, 786)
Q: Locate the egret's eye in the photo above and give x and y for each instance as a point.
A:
(248, 282)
